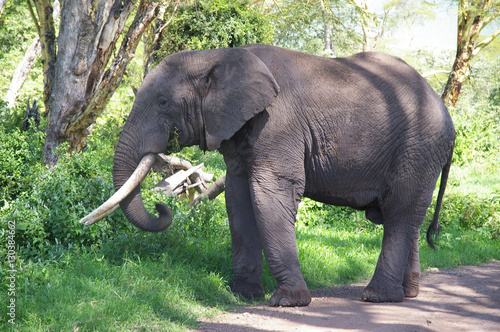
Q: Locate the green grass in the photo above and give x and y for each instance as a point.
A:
(169, 281)
(89, 291)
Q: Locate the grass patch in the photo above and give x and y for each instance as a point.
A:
(90, 292)
(168, 281)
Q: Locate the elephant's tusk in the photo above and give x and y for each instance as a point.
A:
(112, 203)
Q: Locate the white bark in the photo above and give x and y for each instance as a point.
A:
(22, 71)
(2, 5)
(24, 67)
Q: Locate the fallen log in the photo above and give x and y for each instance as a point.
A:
(211, 192)
(170, 184)
(186, 179)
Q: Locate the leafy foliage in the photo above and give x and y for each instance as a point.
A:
(47, 204)
(478, 135)
(211, 24)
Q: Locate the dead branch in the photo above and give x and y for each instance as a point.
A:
(177, 163)
(186, 179)
(213, 191)
(170, 184)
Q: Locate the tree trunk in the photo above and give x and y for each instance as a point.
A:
(22, 71)
(369, 25)
(468, 31)
(80, 87)
(472, 18)
(104, 88)
(2, 6)
(24, 67)
(47, 34)
(328, 31)
(153, 36)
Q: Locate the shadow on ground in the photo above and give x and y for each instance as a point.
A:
(463, 299)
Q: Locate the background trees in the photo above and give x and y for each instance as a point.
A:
(80, 77)
(473, 17)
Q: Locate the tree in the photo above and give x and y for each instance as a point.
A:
(324, 27)
(373, 27)
(392, 13)
(473, 17)
(24, 67)
(206, 24)
(81, 76)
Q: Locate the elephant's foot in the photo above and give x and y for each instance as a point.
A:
(241, 286)
(410, 284)
(372, 293)
(287, 297)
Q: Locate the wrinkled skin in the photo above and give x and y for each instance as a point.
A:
(365, 131)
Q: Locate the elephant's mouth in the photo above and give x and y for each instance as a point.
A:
(173, 145)
(112, 203)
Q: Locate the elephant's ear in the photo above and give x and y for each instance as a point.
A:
(237, 88)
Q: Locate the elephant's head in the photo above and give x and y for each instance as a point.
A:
(194, 97)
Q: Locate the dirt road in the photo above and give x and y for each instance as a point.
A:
(463, 299)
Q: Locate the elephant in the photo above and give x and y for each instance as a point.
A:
(365, 131)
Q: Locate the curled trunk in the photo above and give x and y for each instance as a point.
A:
(125, 162)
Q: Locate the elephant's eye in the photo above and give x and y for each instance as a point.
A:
(163, 102)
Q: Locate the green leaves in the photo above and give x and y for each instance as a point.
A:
(215, 24)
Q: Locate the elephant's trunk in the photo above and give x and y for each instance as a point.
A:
(113, 202)
(127, 158)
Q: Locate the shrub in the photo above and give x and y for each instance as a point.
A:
(47, 204)
(478, 134)
(472, 200)
(215, 24)
(20, 153)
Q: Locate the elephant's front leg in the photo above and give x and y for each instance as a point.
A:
(247, 250)
(275, 202)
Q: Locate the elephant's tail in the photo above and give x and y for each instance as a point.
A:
(433, 230)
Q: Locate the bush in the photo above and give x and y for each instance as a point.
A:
(20, 153)
(472, 201)
(478, 135)
(47, 204)
(215, 24)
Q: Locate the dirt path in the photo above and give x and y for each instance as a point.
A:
(463, 299)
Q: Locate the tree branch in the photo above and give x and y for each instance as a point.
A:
(22, 71)
(33, 17)
(485, 42)
(212, 192)
(102, 92)
(32, 53)
(48, 43)
(154, 36)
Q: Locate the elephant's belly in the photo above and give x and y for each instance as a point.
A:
(343, 189)
(357, 200)
(343, 181)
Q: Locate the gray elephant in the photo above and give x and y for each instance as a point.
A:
(365, 131)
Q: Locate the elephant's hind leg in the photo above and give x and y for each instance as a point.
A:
(398, 269)
(412, 273)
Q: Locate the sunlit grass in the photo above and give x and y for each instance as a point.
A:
(330, 256)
